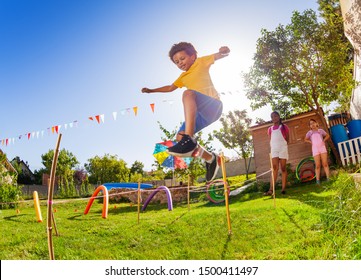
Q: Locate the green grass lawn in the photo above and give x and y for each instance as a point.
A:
(294, 229)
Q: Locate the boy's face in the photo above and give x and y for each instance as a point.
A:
(183, 60)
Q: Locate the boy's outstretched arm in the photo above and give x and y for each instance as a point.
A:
(223, 51)
(168, 88)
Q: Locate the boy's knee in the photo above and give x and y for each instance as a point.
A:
(188, 93)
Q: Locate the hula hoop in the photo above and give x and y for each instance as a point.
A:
(215, 191)
(298, 169)
(307, 178)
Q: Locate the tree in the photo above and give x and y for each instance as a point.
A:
(136, 172)
(137, 167)
(107, 168)
(64, 170)
(301, 66)
(330, 11)
(10, 193)
(235, 135)
(66, 160)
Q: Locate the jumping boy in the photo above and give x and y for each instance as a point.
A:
(201, 102)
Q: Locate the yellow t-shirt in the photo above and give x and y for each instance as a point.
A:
(197, 77)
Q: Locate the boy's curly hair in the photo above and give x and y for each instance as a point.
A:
(182, 46)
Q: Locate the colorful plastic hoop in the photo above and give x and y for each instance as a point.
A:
(299, 173)
(169, 197)
(215, 191)
(39, 218)
(305, 178)
(105, 201)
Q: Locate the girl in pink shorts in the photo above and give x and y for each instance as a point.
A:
(317, 137)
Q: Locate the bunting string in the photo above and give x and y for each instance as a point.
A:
(55, 129)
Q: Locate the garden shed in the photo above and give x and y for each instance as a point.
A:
(297, 148)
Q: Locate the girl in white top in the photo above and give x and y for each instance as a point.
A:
(279, 136)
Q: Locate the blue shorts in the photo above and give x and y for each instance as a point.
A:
(209, 110)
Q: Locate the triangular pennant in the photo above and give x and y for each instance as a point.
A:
(56, 128)
(115, 115)
(29, 134)
(91, 118)
(135, 109)
(102, 118)
(53, 129)
(152, 107)
(33, 134)
(65, 126)
(37, 134)
(42, 133)
(7, 141)
(97, 118)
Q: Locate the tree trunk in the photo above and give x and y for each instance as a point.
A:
(246, 167)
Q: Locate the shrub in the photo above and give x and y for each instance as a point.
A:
(342, 218)
(9, 195)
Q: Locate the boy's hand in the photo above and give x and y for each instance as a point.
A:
(146, 90)
(224, 50)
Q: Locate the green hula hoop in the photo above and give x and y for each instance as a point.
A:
(302, 162)
(215, 191)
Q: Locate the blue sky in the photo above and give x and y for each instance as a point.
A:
(64, 61)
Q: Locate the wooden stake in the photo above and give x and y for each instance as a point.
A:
(50, 198)
(189, 206)
(226, 193)
(138, 202)
(54, 223)
(273, 182)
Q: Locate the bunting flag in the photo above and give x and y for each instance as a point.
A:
(56, 128)
(97, 118)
